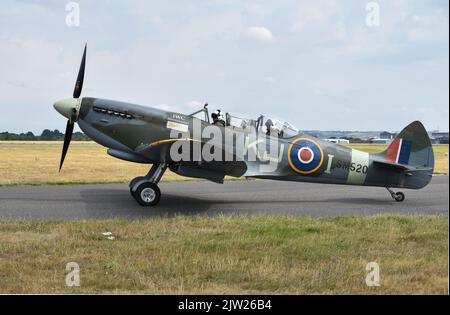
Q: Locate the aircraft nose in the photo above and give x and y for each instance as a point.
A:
(66, 106)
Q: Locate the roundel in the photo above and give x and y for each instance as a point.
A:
(305, 156)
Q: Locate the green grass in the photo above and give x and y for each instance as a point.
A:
(228, 255)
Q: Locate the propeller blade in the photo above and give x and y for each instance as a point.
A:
(73, 116)
(80, 78)
(67, 138)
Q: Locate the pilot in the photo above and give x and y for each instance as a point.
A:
(271, 129)
(218, 118)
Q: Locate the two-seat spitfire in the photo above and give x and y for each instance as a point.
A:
(262, 147)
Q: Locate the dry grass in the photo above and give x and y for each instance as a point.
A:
(233, 255)
(440, 154)
(86, 162)
(37, 163)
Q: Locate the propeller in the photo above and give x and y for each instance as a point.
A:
(80, 77)
(68, 108)
(67, 138)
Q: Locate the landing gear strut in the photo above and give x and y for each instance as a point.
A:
(397, 196)
(145, 188)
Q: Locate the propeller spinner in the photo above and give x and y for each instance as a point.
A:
(70, 107)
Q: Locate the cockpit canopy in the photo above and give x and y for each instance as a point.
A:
(264, 123)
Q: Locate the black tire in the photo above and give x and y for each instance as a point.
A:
(132, 193)
(399, 197)
(147, 194)
(134, 180)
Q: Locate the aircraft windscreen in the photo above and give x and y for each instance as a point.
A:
(281, 128)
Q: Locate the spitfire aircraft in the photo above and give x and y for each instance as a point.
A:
(153, 136)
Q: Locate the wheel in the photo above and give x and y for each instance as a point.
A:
(399, 196)
(147, 194)
(134, 181)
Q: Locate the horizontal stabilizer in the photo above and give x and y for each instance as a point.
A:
(402, 167)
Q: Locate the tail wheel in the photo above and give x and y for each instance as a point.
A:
(147, 194)
(399, 196)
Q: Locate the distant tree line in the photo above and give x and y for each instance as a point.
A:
(46, 135)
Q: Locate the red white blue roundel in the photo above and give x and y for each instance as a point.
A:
(305, 156)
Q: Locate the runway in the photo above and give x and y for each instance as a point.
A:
(80, 202)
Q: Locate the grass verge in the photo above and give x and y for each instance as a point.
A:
(233, 255)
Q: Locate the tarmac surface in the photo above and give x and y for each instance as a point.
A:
(241, 197)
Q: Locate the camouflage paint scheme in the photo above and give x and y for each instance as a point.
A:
(141, 134)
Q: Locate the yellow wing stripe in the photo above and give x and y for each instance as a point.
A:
(159, 142)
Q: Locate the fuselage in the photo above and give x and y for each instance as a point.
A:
(134, 133)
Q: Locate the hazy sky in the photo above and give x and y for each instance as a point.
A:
(317, 64)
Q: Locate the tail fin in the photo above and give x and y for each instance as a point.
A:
(411, 147)
(412, 154)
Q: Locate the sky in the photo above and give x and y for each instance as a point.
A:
(321, 65)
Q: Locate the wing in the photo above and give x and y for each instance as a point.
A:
(211, 170)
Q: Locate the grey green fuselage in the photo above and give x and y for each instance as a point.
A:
(138, 134)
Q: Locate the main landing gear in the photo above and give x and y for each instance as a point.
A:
(397, 196)
(145, 188)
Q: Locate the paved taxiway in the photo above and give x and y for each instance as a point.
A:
(205, 198)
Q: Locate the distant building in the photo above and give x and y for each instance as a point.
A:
(439, 137)
(339, 141)
(387, 135)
